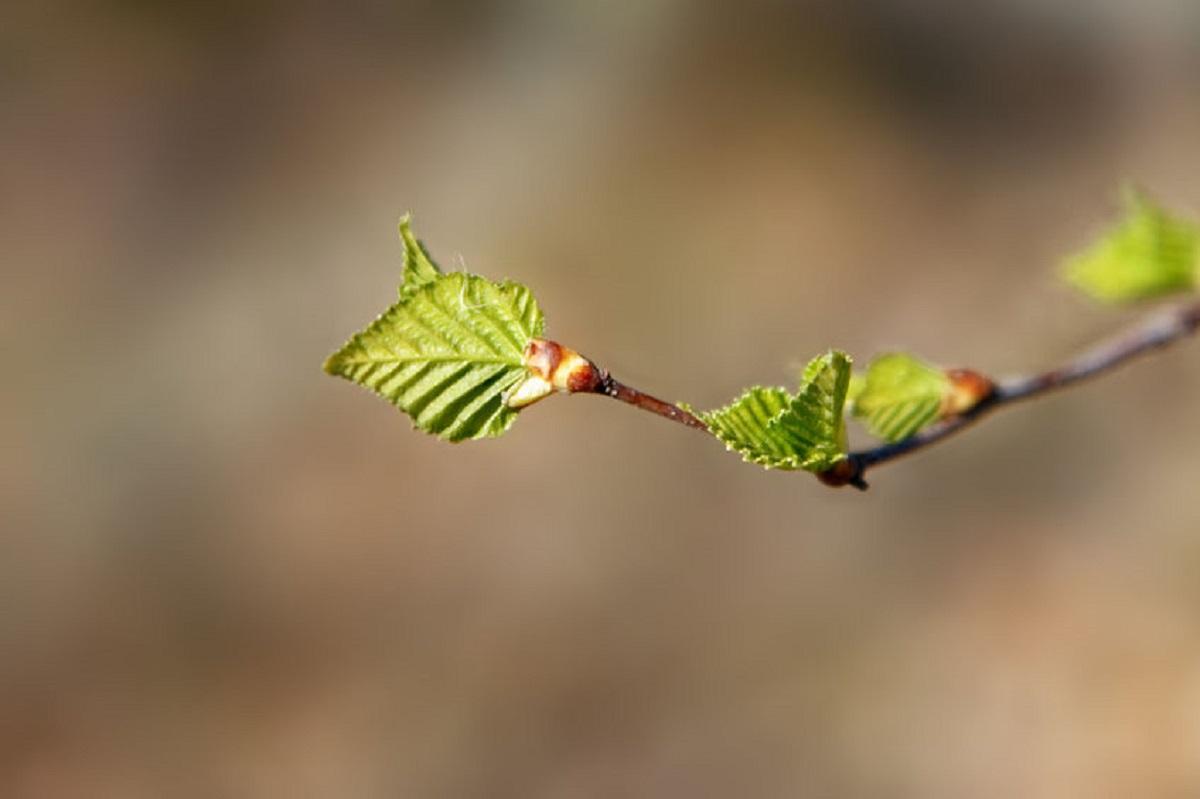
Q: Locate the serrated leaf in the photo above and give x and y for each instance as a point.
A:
(815, 421)
(743, 426)
(419, 268)
(899, 396)
(1148, 253)
(446, 353)
(773, 428)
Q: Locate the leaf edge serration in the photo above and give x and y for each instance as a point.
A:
(773, 428)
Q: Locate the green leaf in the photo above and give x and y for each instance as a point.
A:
(744, 426)
(899, 396)
(446, 353)
(1148, 253)
(419, 268)
(815, 421)
(773, 428)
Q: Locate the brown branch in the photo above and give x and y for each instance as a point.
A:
(1156, 332)
(611, 387)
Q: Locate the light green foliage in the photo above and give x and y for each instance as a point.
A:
(1148, 253)
(743, 426)
(899, 395)
(779, 430)
(419, 268)
(447, 351)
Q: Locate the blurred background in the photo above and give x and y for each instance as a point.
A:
(225, 574)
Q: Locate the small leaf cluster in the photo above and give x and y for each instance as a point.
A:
(1149, 253)
(446, 353)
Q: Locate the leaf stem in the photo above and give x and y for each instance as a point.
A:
(1158, 331)
(611, 387)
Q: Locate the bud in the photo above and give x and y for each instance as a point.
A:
(552, 367)
(967, 389)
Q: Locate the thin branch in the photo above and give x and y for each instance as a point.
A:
(1159, 331)
(611, 387)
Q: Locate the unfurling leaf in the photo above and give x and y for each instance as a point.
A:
(899, 396)
(447, 352)
(1148, 253)
(744, 426)
(815, 419)
(419, 268)
(778, 430)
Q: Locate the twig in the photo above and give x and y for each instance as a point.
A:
(1160, 330)
(611, 387)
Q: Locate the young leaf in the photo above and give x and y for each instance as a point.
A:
(446, 353)
(419, 268)
(770, 427)
(1147, 254)
(899, 396)
(815, 421)
(744, 426)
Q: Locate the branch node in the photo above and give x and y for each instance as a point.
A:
(846, 472)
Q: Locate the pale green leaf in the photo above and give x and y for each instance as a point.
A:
(419, 268)
(446, 353)
(773, 428)
(814, 421)
(1148, 253)
(743, 426)
(899, 396)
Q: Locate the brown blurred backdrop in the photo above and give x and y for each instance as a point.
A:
(225, 574)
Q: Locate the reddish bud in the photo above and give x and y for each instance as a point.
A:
(968, 388)
(552, 367)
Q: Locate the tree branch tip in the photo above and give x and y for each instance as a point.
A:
(846, 472)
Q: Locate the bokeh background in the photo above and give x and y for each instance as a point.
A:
(225, 574)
